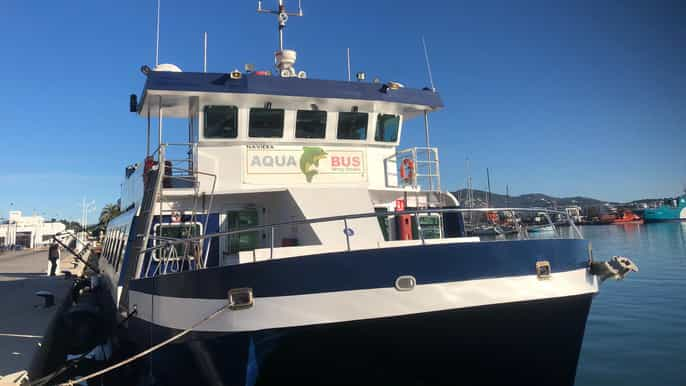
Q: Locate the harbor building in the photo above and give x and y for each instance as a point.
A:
(27, 231)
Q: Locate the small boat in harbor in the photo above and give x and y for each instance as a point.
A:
(628, 217)
(674, 210)
(540, 228)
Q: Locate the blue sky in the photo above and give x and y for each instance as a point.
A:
(564, 98)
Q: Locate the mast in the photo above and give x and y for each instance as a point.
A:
(282, 16)
(488, 178)
(470, 192)
(285, 59)
(426, 115)
(157, 35)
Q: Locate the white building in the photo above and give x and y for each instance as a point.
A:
(28, 231)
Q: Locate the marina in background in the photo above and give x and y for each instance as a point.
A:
(290, 239)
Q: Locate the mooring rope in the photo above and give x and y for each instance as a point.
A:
(147, 351)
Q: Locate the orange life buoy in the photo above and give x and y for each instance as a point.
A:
(407, 169)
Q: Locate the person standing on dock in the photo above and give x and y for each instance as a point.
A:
(53, 257)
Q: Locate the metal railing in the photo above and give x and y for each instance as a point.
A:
(189, 175)
(423, 170)
(518, 226)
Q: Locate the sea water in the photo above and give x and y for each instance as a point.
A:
(636, 330)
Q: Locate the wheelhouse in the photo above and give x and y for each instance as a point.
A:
(263, 167)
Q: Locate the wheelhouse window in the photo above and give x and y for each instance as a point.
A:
(221, 122)
(310, 124)
(352, 126)
(387, 126)
(266, 123)
(178, 231)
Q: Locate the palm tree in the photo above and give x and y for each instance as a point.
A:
(108, 212)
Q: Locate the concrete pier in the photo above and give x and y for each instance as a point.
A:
(23, 318)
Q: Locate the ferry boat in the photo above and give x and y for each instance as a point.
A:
(675, 210)
(290, 241)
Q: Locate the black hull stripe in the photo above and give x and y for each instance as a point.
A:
(527, 343)
(375, 268)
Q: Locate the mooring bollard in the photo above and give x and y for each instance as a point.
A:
(48, 298)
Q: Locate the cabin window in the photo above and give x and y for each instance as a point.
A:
(125, 239)
(266, 123)
(110, 247)
(352, 126)
(106, 246)
(178, 231)
(387, 128)
(221, 122)
(115, 251)
(310, 124)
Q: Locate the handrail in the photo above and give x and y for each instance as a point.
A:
(428, 177)
(190, 175)
(345, 219)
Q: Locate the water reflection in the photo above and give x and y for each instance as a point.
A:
(640, 320)
(630, 229)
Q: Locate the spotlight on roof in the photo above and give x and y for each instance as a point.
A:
(145, 69)
(235, 74)
(361, 76)
(395, 85)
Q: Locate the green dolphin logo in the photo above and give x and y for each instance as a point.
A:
(309, 161)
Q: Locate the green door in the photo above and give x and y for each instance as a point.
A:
(244, 241)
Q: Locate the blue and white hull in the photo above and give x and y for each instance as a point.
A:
(478, 314)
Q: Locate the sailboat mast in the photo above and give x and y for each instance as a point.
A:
(488, 178)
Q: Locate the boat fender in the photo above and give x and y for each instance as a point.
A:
(78, 287)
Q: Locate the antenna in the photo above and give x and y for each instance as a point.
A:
(282, 16)
(348, 64)
(157, 35)
(204, 52)
(426, 112)
(428, 65)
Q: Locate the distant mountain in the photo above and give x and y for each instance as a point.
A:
(526, 200)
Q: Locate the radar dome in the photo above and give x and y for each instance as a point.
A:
(168, 67)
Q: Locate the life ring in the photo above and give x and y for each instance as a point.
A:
(407, 170)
